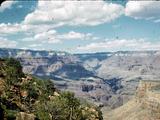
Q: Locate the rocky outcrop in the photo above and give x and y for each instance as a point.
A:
(87, 88)
(146, 89)
(148, 94)
(144, 106)
(25, 116)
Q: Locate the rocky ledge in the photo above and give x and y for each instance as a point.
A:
(144, 106)
(148, 94)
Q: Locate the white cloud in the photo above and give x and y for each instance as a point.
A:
(123, 44)
(5, 43)
(53, 37)
(43, 37)
(7, 29)
(6, 5)
(143, 9)
(27, 39)
(47, 37)
(10, 29)
(75, 35)
(35, 45)
(74, 12)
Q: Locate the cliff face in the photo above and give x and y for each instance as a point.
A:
(144, 106)
(148, 94)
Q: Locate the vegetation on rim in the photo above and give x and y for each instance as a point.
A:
(24, 96)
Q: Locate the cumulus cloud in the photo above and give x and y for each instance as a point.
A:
(5, 43)
(47, 37)
(43, 37)
(143, 9)
(74, 12)
(34, 45)
(123, 44)
(7, 29)
(75, 35)
(53, 37)
(10, 29)
(57, 13)
(6, 5)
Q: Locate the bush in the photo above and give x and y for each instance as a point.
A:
(63, 107)
(11, 114)
(33, 95)
(13, 71)
(13, 63)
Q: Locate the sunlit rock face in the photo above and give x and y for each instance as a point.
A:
(145, 105)
(108, 78)
(148, 94)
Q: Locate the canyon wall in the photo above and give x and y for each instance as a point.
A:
(148, 95)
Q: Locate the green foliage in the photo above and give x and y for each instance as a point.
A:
(66, 107)
(12, 70)
(72, 105)
(8, 113)
(11, 114)
(41, 112)
(63, 107)
(49, 86)
(11, 77)
(13, 63)
(33, 95)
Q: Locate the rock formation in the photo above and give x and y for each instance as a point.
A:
(108, 78)
(148, 94)
(144, 106)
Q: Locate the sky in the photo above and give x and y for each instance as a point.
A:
(80, 26)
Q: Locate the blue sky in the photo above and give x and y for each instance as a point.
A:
(80, 26)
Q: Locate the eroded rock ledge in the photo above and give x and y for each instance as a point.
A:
(148, 94)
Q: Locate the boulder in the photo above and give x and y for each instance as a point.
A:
(25, 116)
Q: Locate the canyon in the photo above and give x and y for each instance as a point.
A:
(108, 79)
(144, 106)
